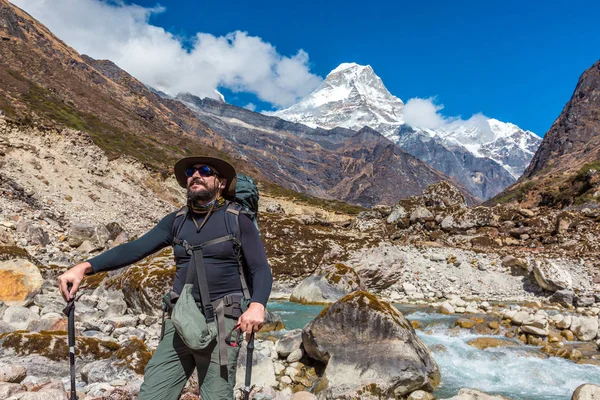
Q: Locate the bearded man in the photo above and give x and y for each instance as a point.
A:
(210, 184)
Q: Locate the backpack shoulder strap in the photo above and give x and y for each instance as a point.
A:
(232, 223)
(180, 218)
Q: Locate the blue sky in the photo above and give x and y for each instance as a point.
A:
(514, 61)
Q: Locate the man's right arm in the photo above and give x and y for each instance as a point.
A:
(120, 256)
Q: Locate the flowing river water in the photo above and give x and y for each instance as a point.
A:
(518, 372)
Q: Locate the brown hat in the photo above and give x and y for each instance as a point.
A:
(222, 167)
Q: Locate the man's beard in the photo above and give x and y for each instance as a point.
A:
(203, 195)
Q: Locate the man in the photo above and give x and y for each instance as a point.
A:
(209, 182)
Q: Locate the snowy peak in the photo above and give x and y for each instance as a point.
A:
(352, 96)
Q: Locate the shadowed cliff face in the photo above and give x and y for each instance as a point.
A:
(564, 169)
(359, 167)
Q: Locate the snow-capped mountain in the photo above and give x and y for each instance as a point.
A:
(351, 96)
(484, 154)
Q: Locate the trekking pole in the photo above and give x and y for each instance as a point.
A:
(249, 350)
(69, 311)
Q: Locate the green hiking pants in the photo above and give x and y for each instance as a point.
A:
(173, 363)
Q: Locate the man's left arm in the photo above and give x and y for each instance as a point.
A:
(259, 273)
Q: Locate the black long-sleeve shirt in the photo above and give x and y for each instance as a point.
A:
(221, 265)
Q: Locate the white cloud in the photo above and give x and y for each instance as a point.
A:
(250, 106)
(122, 33)
(424, 113)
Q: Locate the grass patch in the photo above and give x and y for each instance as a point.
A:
(517, 193)
(329, 205)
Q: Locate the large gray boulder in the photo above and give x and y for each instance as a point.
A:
(443, 194)
(474, 394)
(98, 235)
(378, 267)
(585, 328)
(327, 286)
(551, 276)
(369, 347)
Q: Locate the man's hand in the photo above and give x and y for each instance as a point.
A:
(74, 276)
(253, 319)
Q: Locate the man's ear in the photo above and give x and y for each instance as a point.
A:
(223, 183)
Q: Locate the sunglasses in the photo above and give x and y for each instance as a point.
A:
(204, 171)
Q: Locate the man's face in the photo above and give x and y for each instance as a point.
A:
(204, 187)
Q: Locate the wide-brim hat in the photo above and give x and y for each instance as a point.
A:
(222, 167)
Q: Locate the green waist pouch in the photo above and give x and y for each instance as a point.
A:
(192, 326)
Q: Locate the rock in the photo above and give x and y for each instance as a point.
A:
(586, 392)
(421, 214)
(114, 230)
(520, 317)
(272, 322)
(518, 266)
(88, 247)
(263, 371)
(12, 373)
(551, 276)
(381, 341)
(19, 317)
(584, 301)
(378, 267)
(398, 212)
(37, 236)
(289, 342)
(421, 395)
(51, 394)
(8, 389)
(21, 282)
(274, 208)
(565, 323)
(487, 342)
(585, 328)
(474, 394)
(295, 355)
(97, 235)
(443, 194)
(143, 284)
(446, 308)
(49, 322)
(563, 297)
(535, 326)
(326, 287)
(101, 371)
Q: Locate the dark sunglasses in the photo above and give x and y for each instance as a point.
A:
(204, 170)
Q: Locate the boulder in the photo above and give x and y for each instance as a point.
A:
(326, 287)
(49, 322)
(472, 217)
(421, 395)
(584, 301)
(518, 266)
(289, 342)
(21, 282)
(563, 297)
(97, 235)
(536, 326)
(421, 214)
(586, 392)
(369, 347)
(585, 328)
(8, 389)
(398, 212)
(378, 267)
(483, 343)
(37, 236)
(263, 370)
(443, 194)
(551, 276)
(19, 317)
(12, 373)
(144, 283)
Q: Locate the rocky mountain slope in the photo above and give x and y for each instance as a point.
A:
(564, 170)
(484, 155)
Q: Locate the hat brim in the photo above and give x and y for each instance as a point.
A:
(223, 168)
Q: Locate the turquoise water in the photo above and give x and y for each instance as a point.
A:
(516, 372)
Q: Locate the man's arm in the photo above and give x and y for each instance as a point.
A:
(120, 256)
(255, 259)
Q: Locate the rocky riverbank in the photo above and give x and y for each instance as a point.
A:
(63, 201)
